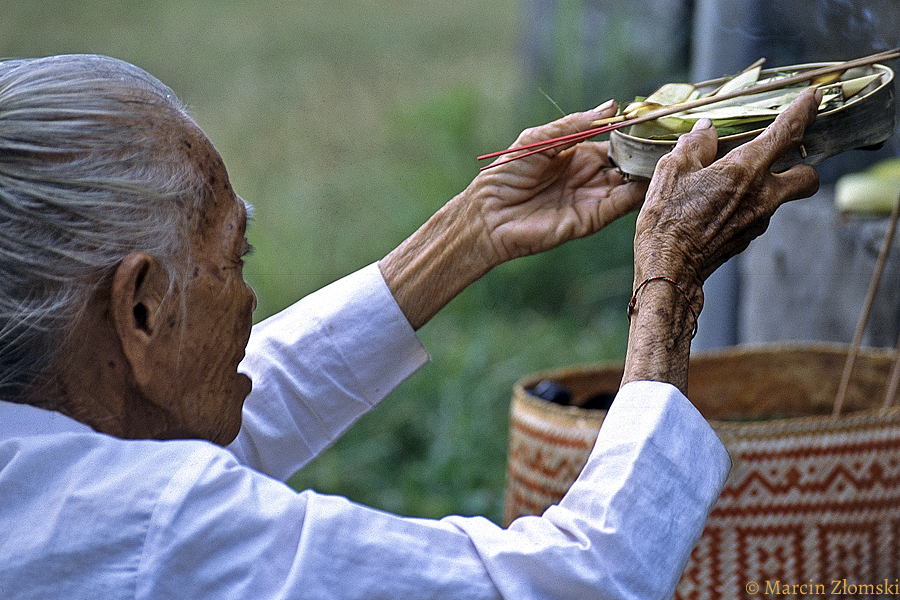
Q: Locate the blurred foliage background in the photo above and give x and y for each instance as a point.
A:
(347, 123)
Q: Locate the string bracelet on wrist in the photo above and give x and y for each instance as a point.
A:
(633, 302)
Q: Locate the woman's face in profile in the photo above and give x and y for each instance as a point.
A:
(208, 393)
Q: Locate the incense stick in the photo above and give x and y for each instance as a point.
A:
(572, 138)
(893, 380)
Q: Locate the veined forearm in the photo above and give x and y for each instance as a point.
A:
(436, 262)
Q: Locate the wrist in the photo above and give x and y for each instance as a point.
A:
(662, 322)
(682, 277)
(437, 262)
(632, 304)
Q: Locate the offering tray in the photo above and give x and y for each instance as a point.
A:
(865, 120)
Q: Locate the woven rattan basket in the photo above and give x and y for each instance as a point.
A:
(812, 498)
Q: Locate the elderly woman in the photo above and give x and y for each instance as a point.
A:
(136, 462)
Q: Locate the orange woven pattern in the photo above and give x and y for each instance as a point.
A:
(811, 500)
(815, 502)
(548, 447)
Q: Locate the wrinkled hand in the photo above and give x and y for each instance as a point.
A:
(512, 210)
(540, 201)
(700, 213)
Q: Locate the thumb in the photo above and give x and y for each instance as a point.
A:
(701, 142)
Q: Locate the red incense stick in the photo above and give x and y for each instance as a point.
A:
(537, 147)
(580, 136)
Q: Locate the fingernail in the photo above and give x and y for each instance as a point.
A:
(703, 123)
(606, 105)
(818, 96)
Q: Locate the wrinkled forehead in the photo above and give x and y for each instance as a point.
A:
(218, 200)
(182, 138)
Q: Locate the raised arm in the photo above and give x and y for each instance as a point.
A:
(517, 209)
(697, 215)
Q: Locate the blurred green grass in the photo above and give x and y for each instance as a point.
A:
(346, 124)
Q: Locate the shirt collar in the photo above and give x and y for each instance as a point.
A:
(17, 420)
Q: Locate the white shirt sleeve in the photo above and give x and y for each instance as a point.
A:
(318, 366)
(628, 524)
(624, 530)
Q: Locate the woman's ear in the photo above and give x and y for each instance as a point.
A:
(139, 312)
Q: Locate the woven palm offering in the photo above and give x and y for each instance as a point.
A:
(812, 498)
(857, 111)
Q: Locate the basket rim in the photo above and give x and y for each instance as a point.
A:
(806, 424)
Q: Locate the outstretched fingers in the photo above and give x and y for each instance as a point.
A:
(570, 125)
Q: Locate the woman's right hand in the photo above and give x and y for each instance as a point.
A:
(699, 213)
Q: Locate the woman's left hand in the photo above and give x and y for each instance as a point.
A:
(541, 201)
(522, 207)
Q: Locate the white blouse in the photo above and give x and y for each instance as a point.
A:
(87, 516)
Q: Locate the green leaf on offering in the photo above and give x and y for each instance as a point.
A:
(735, 115)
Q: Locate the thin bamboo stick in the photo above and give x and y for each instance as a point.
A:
(677, 108)
(894, 379)
(864, 316)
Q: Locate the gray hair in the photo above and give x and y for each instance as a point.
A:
(89, 172)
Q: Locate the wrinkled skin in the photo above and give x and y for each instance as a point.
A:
(144, 363)
(512, 210)
(698, 214)
(537, 203)
(166, 369)
(169, 369)
(191, 377)
(203, 395)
